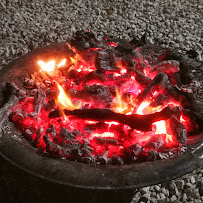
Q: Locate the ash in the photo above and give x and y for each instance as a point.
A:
(28, 25)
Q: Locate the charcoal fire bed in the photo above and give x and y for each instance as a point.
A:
(18, 150)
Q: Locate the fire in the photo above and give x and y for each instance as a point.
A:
(142, 106)
(65, 101)
(73, 60)
(62, 63)
(100, 91)
(110, 123)
(105, 134)
(123, 71)
(120, 106)
(85, 68)
(49, 66)
(160, 126)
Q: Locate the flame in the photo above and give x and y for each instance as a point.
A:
(119, 106)
(110, 123)
(62, 63)
(123, 71)
(142, 106)
(105, 134)
(117, 74)
(73, 60)
(161, 129)
(65, 101)
(160, 126)
(91, 122)
(182, 120)
(49, 66)
(133, 78)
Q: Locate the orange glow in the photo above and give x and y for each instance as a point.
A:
(49, 66)
(105, 134)
(65, 101)
(65, 118)
(117, 74)
(169, 139)
(62, 63)
(160, 127)
(150, 109)
(110, 123)
(85, 69)
(73, 60)
(182, 120)
(119, 106)
(123, 71)
(91, 122)
(133, 78)
(142, 106)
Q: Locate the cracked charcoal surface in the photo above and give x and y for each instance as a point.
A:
(26, 25)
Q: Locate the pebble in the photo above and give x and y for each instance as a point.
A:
(173, 198)
(173, 189)
(188, 186)
(180, 184)
(144, 190)
(192, 180)
(184, 197)
(157, 188)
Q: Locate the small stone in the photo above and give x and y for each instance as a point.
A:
(184, 197)
(180, 184)
(144, 190)
(173, 189)
(157, 188)
(176, 45)
(192, 180)
(188, 192)
(137, 196)
(153, 200)
(173, 198)
(165, 192)
(188, 186)
(143, 199)
(162, 196)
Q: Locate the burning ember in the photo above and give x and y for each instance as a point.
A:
(106, 103)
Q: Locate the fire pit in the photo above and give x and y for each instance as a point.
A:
(102, 113)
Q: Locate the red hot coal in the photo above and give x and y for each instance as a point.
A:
(107, 103)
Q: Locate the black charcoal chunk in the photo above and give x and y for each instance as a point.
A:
(51, 130)
(178, 130)
(103, 160)
(67, 134)
(84, 40)
(6, 110)
(106, 140)
(161, 99)
(116, 160)
(192, 54)
(136, 149)
(105, 61)
(29, 83)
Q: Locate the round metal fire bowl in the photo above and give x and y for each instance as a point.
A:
(17, 150)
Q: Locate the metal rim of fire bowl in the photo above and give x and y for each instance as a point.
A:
(18, 151)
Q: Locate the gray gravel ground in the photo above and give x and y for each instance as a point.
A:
(28, 24)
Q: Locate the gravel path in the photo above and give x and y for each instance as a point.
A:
(26, 25)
